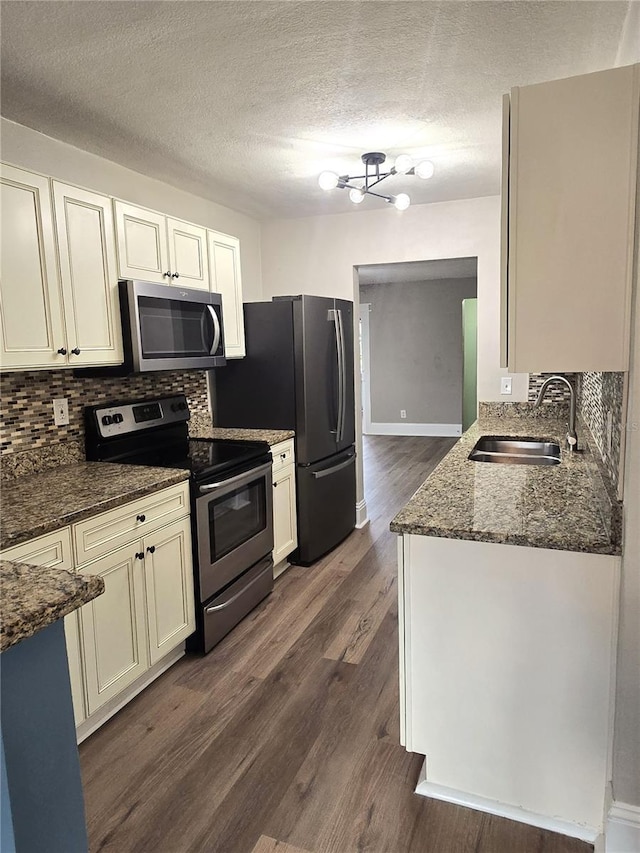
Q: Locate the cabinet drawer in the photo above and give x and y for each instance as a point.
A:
(109, 530)
(282, 454)
(52, 549)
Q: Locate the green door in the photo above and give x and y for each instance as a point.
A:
(469, 362)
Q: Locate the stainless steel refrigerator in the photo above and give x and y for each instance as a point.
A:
(298, 374)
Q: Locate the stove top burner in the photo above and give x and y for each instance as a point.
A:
(204, 457)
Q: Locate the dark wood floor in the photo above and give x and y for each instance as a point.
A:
(286, 737)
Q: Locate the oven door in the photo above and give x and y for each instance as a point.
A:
(172, 328)
(234, 527)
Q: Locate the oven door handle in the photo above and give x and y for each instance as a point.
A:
(215, 607)
(252, 474)
(216, 329)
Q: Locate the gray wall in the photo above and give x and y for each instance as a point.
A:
(415, 347)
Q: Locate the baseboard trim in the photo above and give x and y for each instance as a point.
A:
(623, 829)
(482, 804)
(362, 518)
(433, 430)
(99, 718)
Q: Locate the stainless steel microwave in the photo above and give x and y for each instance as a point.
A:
(166, 327)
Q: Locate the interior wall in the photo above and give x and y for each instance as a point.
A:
(28, 149)
(415, 349)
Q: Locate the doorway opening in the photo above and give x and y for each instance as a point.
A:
(418, 347)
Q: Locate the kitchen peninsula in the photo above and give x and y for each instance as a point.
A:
(508, 584)
(42, 800)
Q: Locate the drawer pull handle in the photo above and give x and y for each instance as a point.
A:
(151, 549)
(140, 555)
(141, 517)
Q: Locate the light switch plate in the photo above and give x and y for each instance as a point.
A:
(61, 412)
(505, 385)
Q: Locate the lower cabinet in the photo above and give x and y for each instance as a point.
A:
(285, 528)
(146, 611)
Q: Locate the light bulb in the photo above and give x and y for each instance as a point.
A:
(425, 169)
(403, 164)
(356, 195)
(402, 201)
(328, 180)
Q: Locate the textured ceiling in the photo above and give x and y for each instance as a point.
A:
(417, 271)
(246, 102)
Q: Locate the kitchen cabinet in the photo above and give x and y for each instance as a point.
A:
(226, 279)
(89, 276)
(570, 153)
(169, 587)
(113, 626)
(32, 324)
(154, 247)
(285, 536)
(122, 640)
(506, 672)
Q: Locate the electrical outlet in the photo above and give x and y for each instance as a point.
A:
(403, 413)
(61, 412)
(505, 385)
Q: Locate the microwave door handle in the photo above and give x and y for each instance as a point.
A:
(216, 329)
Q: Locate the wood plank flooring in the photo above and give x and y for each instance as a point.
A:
(285, 738)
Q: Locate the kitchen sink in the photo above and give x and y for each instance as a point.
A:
(515, 451)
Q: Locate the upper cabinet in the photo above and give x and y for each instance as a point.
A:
(226, 279)
(153, 247)
(570, 154)
(88, 272)
(59, 279)
(32, 325)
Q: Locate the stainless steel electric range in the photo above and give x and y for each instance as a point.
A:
(231, 502)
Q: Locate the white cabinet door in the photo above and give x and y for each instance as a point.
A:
(188, 260)
(285, 537)
(88, 269)
(572, 151)
(226, 279)
(113, 626)
(142, 244)
(169, 587)
(31, 319)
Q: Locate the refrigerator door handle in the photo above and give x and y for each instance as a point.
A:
(343, 383)
(326, 472)
(334, 315)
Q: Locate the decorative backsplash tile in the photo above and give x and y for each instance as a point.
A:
(599, 395)
(26, 413)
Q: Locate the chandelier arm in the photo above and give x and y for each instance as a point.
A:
(378, 195)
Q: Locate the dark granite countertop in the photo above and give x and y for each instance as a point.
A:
(32, 597)
(200, 426)
(566, 507)
(40, 503)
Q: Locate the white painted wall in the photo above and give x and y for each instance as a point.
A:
(317, 255)
(24, 147)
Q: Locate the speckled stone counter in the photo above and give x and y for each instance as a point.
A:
(32, 597)
(564, 507)
(40, 503)
(201, 427)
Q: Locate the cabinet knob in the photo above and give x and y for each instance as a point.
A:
(141, 517)
(283, 456)
(274, 485)
(175, 275)
(62, 351)
(166, 274)
(76, 351)
(151, 549)
(140, 555)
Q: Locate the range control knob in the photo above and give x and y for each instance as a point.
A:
(117, 418)
(107, 420)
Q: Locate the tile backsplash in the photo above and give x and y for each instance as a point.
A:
(600, 399)
(26, 413)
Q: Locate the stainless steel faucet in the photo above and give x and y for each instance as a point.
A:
(572, 437)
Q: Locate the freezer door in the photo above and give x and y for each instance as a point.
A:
(346, 407)
(317, 354)
(326, 496)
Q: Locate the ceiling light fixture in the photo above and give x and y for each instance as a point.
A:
(403, 165)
